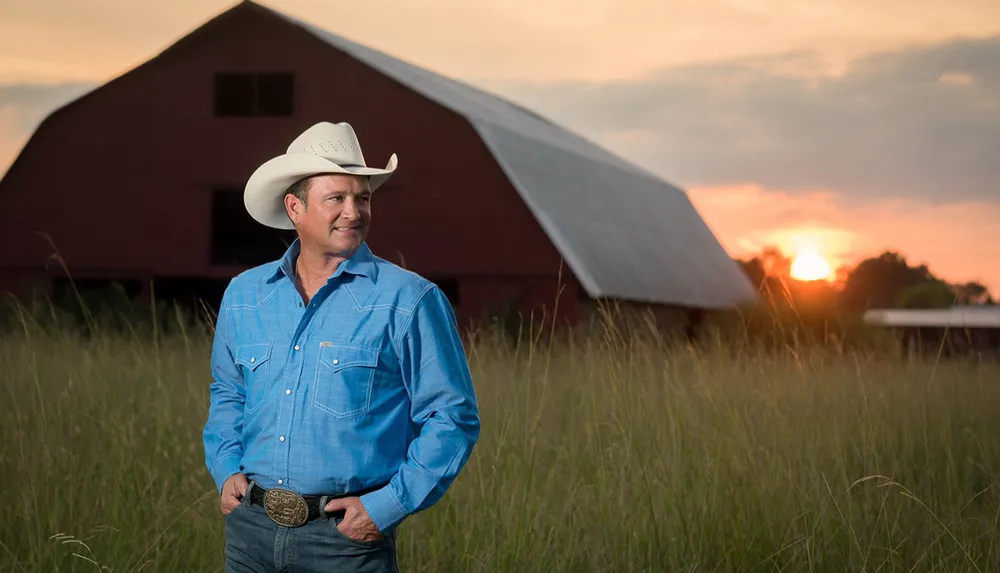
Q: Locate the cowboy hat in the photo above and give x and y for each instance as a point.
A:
(323, 148)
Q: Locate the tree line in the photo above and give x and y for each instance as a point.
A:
(887, 280)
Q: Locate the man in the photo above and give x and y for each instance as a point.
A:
(342, 401)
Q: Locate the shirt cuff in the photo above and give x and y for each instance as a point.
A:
(224, 468)
(383, 509)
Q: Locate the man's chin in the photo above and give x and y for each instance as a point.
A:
(341, 244)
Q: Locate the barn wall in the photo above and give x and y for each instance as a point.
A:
(128, 170)
(539, 300)
(627, 318)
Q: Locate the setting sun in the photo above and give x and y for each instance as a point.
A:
(810, 267)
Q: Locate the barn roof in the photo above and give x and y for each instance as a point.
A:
(624, 232)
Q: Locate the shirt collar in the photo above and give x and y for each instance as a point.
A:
(361, 263)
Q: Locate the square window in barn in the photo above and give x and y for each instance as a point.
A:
(234, 95)
(254, 95)
(239, 240)
(275, 93)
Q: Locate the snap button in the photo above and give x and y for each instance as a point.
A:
(252, 359)
(335, 361)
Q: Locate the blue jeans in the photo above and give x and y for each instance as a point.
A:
(255, 544)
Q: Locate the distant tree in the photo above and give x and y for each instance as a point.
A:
(927, 294)
(767, 266)
(776, 263)
(972, 293)
(841, 274)
(878, 282)
(884, 281)
(754, 270)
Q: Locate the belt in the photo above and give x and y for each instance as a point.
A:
(289, 509)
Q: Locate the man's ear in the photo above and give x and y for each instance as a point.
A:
(293, 207)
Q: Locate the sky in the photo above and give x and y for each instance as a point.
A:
(843, 126)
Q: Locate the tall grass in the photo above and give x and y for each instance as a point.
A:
(599, 453)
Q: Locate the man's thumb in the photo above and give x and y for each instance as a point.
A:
(336, 505)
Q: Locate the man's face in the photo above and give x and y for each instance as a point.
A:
(336, 215)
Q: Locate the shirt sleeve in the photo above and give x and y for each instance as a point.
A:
(224, 428)
(443, 406)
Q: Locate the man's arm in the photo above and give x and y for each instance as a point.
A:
(224, 428)
(437, 378)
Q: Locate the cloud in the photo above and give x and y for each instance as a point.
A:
(923, 122)
(956, 78)
(514, 39)
(954, 240)
(23, 107)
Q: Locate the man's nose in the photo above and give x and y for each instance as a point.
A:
(350, 210)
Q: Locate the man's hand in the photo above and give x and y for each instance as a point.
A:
(233, 491)
(356, 524)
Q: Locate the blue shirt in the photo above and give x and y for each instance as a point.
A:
(366, 385)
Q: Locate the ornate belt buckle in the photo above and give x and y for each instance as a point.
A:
(285, 507)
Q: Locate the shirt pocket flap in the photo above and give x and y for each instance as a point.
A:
(338, 357)
(253, 355)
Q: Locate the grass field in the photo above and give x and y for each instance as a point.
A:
(604, 454)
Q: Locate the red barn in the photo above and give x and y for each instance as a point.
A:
(140, 181)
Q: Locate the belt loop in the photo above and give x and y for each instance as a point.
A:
(246, 496)
(322, 506)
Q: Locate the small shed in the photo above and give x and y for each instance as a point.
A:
(959, 330)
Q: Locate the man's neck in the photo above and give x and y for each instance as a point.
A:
(313, 269)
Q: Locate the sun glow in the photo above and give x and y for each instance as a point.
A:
(810, 266)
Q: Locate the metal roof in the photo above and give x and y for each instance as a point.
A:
(955, 317)
(624, 232)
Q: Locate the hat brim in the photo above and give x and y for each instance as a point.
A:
(264, 194)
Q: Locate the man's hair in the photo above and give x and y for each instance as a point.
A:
(301, 190)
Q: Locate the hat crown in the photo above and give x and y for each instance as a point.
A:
(335, 142)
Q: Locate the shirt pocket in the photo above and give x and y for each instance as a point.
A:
(344, 380)
(255, 360)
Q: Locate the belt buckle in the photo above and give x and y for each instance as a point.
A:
(285, 507)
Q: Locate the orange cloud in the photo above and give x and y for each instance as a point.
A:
(959, 241)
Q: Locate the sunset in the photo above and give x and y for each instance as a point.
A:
(446, 286)
(811, 267)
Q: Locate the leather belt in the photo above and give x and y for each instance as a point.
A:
(289, 509)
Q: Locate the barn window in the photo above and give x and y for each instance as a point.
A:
(234, 94)
(274, 94)
(248, 95)
(237, 239)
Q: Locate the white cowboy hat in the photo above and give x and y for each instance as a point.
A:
(323, 148)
